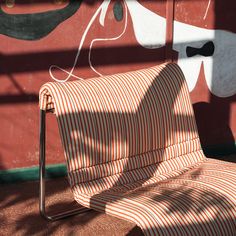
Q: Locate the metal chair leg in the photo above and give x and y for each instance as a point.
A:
(42, 177)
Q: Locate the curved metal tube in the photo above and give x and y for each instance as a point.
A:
(42, 154)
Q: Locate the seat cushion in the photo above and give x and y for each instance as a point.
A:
(133, 151)
(199, 200)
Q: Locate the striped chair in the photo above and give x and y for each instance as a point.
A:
(132, 150)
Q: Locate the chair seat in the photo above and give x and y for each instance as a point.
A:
(200, 200)
(133, 151)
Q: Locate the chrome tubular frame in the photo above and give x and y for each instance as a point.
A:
(42, 176)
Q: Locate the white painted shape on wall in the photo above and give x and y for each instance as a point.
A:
(104, 8)
(220, 69)
(150, 32)
(149, 28)
(187, 35)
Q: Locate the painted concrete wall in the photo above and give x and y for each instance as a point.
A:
(56, 40)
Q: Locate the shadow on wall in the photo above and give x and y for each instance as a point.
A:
(212, 123)
(223, 69)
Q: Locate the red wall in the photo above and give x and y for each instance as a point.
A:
(24, 67)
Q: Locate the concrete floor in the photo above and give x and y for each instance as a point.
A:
(19, 214)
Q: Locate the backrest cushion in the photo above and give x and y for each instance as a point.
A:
(123, 122)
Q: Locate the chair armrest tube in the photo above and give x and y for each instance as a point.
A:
(42, 154)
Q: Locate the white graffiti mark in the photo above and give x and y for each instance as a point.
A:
(106, 39)
(102, 9)
(207, 9)
(149, 28)
(146, 33)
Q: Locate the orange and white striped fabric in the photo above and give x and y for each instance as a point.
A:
(133, 151)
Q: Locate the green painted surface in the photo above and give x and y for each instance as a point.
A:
(31, 173)
(36, 25)
(118, 11)
(59, 170)
(220, 150)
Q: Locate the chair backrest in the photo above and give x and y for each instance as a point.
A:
(119, 129)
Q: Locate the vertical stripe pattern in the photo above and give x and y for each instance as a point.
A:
(130, 137)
